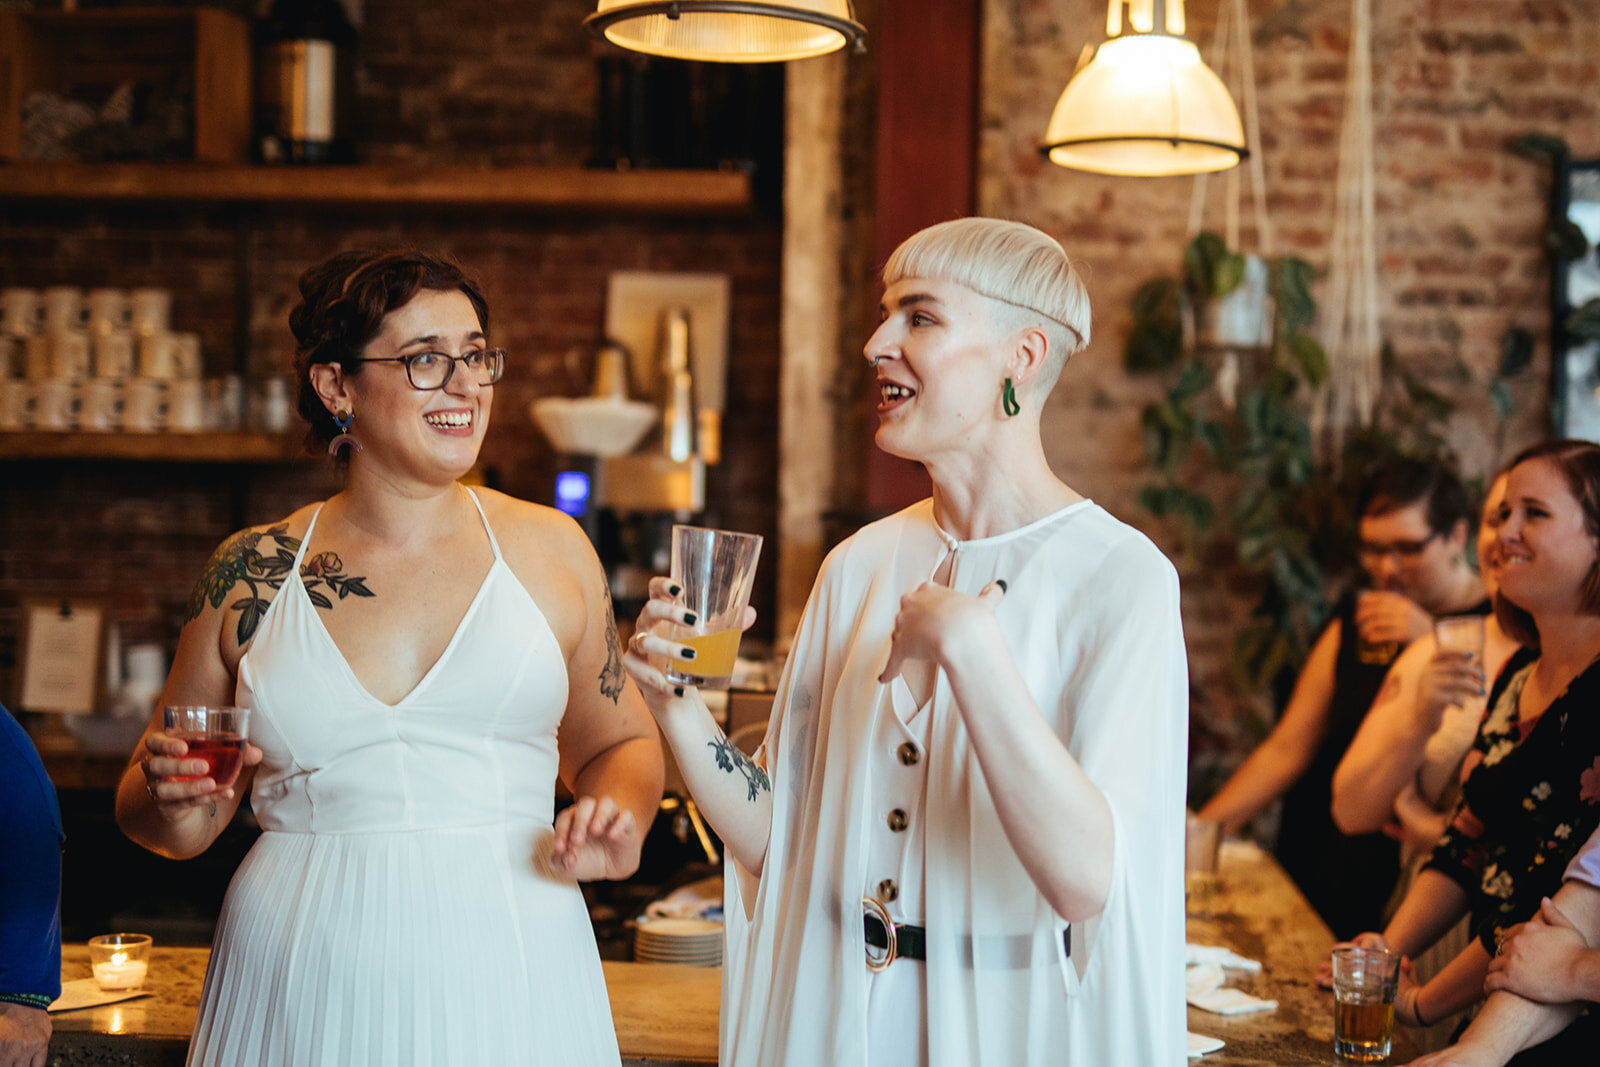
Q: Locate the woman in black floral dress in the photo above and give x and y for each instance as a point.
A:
(1531, 785)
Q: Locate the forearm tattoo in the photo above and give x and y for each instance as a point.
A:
(731, 759)
(611, 673)
(242, 562)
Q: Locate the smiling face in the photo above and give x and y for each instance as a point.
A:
(1545, 547)
(939, 356)
(429, 434)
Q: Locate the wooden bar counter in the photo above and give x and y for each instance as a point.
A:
(666, 1016)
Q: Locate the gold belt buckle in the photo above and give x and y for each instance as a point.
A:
(872, 904)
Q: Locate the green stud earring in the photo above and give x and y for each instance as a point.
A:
(1008, 400)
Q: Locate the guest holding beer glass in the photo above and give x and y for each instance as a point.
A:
(962, 841)
(408, 650)
(1402, 772)
(1530, 795)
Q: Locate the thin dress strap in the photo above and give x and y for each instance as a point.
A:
(305, 541)
(492, 542)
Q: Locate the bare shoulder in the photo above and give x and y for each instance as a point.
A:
(525, 529)
(553, 559)
(246, 571)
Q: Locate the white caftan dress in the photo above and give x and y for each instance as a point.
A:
(394, 910)
(1091, 618)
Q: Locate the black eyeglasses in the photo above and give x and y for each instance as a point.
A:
(432, 370)
(1407, 550)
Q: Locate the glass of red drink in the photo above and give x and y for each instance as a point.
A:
(213, 734)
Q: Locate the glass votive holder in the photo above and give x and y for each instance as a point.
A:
(120, 961)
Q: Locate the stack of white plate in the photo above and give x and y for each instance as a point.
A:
(696, 942)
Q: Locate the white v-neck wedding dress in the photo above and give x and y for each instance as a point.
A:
(395, 910)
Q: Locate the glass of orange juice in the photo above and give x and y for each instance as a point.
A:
(715, 569)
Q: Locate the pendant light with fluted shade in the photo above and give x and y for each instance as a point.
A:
(1145, 103)
(729, 31)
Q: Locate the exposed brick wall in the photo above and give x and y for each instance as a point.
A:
(482, 82)
(1459, 217)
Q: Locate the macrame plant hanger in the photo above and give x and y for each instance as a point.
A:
(1232, 59)
(1348, 321)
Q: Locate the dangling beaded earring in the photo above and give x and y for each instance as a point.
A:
(1008, 400)
(343, 419)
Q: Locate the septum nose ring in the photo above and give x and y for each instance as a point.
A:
(876, 360)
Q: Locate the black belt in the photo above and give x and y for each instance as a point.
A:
(911, 942)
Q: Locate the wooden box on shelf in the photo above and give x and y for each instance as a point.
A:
(89, 53)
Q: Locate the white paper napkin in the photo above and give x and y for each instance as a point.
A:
(1201, 978)
(85, 993)
(1223, 957)
(1200, 1044)
(1230, 1002)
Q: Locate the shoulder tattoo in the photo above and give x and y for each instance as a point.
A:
(611, 673)
(242, 561)
(730, 759)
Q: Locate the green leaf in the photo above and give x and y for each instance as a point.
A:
(1584, 322)
(1157, 437)
(1291, 292)
(1153, 498)
(1500, 398)
(1227, 275)
(1200, 261)
(1192, 381)
(1565, 240)
(1312, 359)
(1197, 509)
(1214, 436)
(1152, 346)
(1516, 352)
(1156, 298)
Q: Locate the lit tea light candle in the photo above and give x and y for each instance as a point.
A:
(120, 972)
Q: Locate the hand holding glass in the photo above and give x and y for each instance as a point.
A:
(715, 569)
(213, 734)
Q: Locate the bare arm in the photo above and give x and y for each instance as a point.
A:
(1432, 906)
(181, 819)
(610, 752)
(1387, 749)
(1280, 760)
(1068, 852)
(734, 793)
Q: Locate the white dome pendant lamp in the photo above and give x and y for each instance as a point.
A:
(729, 31)
(1145, 103)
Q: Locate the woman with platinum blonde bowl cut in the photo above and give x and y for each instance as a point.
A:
(962, 841)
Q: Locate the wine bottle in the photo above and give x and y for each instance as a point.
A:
(305, 54)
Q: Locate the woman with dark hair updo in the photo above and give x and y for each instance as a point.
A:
(409, 649)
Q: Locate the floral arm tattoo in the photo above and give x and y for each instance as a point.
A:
(611, 673)
(730, 759)
(242, 562)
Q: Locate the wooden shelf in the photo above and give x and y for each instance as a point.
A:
(546, 188)
(154, 447)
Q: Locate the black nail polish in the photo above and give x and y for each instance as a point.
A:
(677, 691)
(1001, 582)
(674, 589)
(690, 618)
(687, 653)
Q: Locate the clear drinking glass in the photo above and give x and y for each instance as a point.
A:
(715, 569)
(1463, 633)
(1364, 984)
(213, 734)
(1202, 845)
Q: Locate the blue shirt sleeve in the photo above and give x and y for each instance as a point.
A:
(30, 872)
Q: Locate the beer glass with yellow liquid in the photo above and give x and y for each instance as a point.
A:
(715, 569)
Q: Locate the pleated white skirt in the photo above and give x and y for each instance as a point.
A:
(424, 947)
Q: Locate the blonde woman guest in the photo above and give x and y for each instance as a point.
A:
(979, 740)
